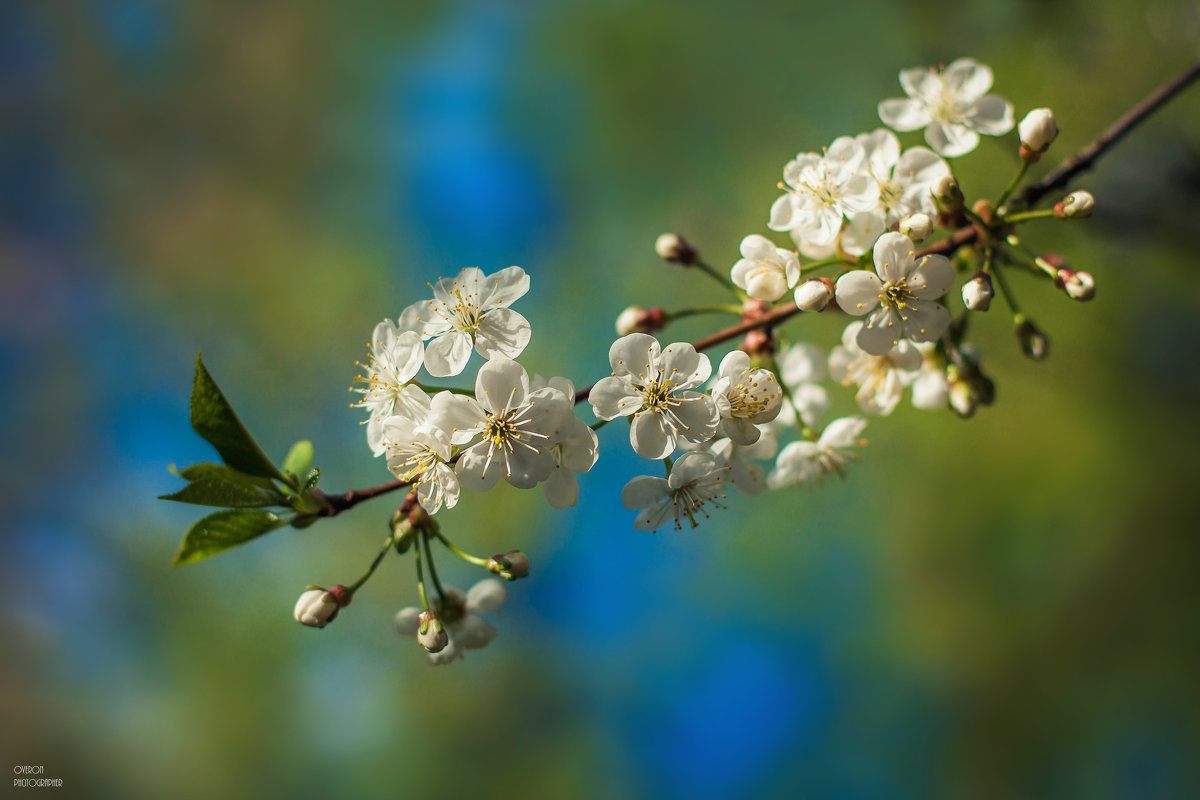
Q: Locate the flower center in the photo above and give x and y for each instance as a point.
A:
(657, 397)
(897, 294)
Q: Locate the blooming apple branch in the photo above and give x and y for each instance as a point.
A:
(892, 232)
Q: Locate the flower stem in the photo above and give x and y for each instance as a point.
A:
(721, 279)
(722, 308)
(465, 556)
(424, 387)
(387, 545)
(1025, 216)
(437, 584)
(1002, 283)
(1012, 185)
(420, 578)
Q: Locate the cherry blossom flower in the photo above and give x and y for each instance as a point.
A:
(419, 453)
(900, 298)
(821, 189)
(507, 425)
(952, 105)
(745, 475)
(744, 397)
(905, 179)
(458, 613)
(801, 368)
(880, 379)
(648, 384)
(808, 462)
(765, 271)
(695, 480)
(470, 310)
(573, 446)
(393, 360)
(930, 389)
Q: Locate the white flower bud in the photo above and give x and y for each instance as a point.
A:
(636, 319)
(1037, 131)
(917, 227)
(630, 321)
(1034, 343)
(674, 248)
(814, 294)
(962, 398)
(432, 634)
(317, 607)
(977, 293)
(1076, 205)
(1078, 285)
(946, 192)
(510, 566)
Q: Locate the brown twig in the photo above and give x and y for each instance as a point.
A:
(1057, 179)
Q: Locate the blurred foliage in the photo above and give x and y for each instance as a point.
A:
(1000, 607)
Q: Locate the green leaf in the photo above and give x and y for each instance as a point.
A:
(214, 419)
(225, 529)
(299, 459)
(219, 485)
(310, 482)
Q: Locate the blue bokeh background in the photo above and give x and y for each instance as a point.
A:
(1003, 607)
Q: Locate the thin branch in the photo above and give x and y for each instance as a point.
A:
(1080, 161)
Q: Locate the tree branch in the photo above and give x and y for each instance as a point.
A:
(1082, 160)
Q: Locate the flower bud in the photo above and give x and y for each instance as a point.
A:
(946, 192)
(432, 633)
(985, 210)
(963, 401)
(317, 607)
(1076, 205)
(814, 294)
(403, 531)
(674, 248)
(510, 566)
(977, 293)
(917, 227)
(636, 319)
(1078, 285)
(1034, 343)
(1037, 131)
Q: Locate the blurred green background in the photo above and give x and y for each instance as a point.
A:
(1004, 607)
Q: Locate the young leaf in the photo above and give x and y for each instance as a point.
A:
(223, 530)
(299, 459)
(310, 482)
(219, 485)
(214, 419)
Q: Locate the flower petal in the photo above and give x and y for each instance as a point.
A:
(893, 256)
(904, 114)
(486, 596)
(926, 322)
(473, 633)
(857, 292)
(992, 115)
(506, 285)
(476, 472)
(502, 333)
(683, 367)
(651, 435)
(636, 355)
(951, 139)
(614, 397)
(841, 433)
(697, 415)
(561, 489)
(501, 384)
(643, 491)
(932, 277)
(967, 79)
(882, 331)
(448, 354)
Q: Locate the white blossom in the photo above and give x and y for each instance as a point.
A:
(506, 427)
(880, 379)
(906, 179)
(419, 453)
(744, 397)
(574, 447)
(765, 271)
(470, 310)
(392, 361)
(317, 607)
(458, 613)
(900, 298)
(821, 189)
(1038, 129)
(806, 462)
(952, 105)
(930, 389)
(649, 384)
(696, 480)
(801, 368)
